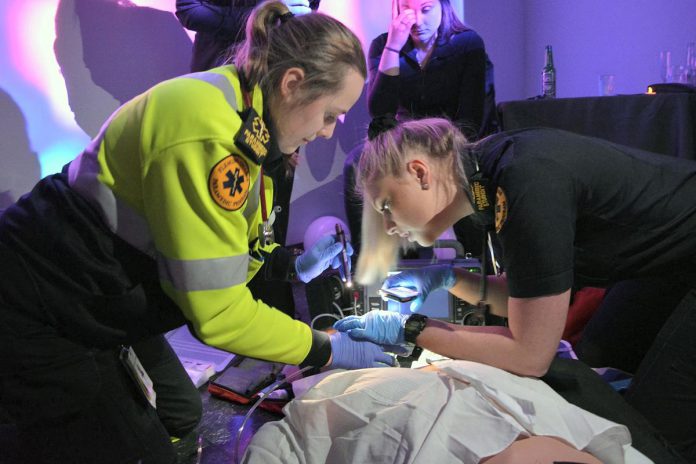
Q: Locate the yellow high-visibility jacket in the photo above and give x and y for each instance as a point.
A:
(169, 179)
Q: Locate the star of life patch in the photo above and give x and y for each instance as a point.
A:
(229, 182)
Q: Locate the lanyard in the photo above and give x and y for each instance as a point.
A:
(265, 234)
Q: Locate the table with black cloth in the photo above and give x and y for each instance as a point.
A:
(661, 123)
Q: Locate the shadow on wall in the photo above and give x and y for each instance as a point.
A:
(319, 191)
(20, 165)
(112, 50)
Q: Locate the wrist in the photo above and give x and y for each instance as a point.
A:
(390, 49)
(413, 325)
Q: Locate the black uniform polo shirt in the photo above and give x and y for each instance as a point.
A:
(585, 211)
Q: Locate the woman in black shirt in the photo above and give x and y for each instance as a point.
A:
(568, 210)
(428, 64)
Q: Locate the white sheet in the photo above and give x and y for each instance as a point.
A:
(463, 413)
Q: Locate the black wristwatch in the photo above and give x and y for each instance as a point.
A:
(413, 326)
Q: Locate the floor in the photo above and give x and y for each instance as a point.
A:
(218, 432)
(219, 428)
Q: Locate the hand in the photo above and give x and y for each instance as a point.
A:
(377, 326)
(298, 7)
(400, 29)
(347, 353)
(425, 280)
(326, 252)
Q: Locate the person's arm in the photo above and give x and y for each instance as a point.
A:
(526, 347)
(382, 89)
(468, 288)
(383, 60)
(206, 16)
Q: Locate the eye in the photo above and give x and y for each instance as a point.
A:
(329, 119)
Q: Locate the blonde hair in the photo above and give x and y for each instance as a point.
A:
(323, 47)
(386, 155)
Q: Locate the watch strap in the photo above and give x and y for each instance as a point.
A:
(413, 326)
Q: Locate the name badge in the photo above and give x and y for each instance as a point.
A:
(253, 138)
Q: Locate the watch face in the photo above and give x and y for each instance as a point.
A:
(414, 326)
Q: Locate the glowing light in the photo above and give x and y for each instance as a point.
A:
(355, 15)
(56, 156)
(32, 32)
(164, 5)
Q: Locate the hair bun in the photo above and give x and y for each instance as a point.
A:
(381, 124)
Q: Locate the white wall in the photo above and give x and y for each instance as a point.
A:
(589, 37)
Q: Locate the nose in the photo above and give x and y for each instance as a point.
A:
(327, 131)
(419, 18)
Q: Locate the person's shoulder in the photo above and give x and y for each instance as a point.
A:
(467, 38)
(380, 40)
(206, 86)
(198, 101)
(377, 45)
(539, 148)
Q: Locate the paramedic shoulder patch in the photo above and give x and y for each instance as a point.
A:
(500, 209)
(253, 137)
(228, 183)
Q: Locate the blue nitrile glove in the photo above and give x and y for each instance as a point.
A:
(425, 280)
(326, 252)
(298, 7)
(350, 354)
(377, 326)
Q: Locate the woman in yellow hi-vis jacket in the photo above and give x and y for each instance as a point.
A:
(161, 221)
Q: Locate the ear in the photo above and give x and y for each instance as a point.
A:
(420, 171)
(290, 83)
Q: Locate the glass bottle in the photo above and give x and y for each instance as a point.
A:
(691, 63)
(548, 75)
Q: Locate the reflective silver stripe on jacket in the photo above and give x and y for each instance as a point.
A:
(130, 225)
(221, 82)
(204, 274)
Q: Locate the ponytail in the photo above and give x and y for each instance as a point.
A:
(323, 47)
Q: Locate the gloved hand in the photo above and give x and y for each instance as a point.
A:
(298, 7)
(350, 354)
(425, 280)
(377, 326)
(326, 252)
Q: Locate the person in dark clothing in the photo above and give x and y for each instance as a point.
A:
(219, 24)
(428, 64)
(568, 210)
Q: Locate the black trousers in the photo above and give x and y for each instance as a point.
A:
(647, 326)
(74, 404)
(664, 387)
(583, 387)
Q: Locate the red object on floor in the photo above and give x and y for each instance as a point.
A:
(585, 303)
